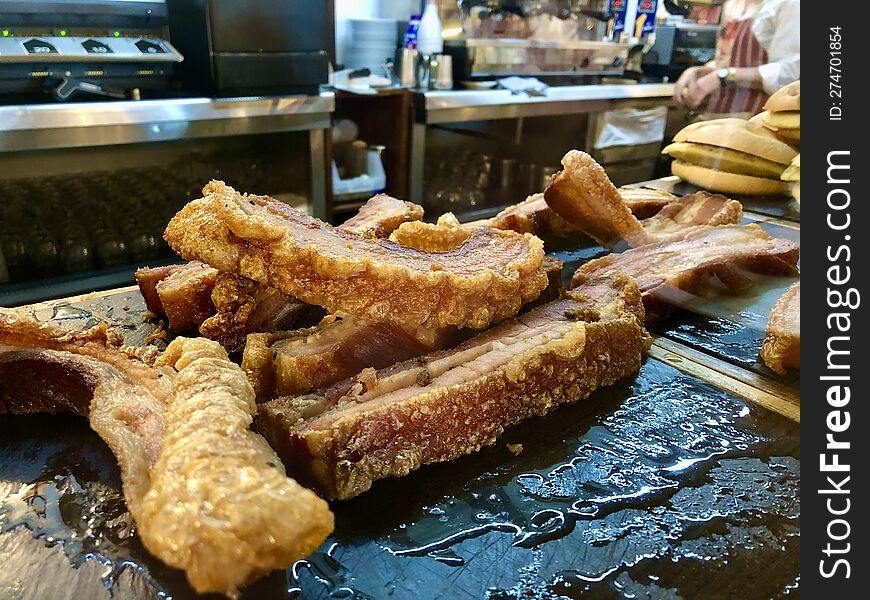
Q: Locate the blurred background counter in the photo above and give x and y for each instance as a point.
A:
(89, 187)
(495, 147)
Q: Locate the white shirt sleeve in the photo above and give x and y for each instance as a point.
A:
(778, 28)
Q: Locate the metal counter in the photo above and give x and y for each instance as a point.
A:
(440, 107)
(79, 125)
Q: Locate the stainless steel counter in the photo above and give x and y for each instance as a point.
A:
(79, 125)
(442, 107)
(458, 106)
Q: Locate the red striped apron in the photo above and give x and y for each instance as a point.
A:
(745, 51)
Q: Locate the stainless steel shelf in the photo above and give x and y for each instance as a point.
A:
(77, 125)
(457, 106)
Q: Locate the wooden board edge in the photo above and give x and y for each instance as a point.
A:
(750, 386)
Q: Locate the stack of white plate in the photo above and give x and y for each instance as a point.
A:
(371, 43)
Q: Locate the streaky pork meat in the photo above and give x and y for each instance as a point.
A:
(226, 307)
(185, 295)
(534, 215)
(707, 260)
(678, 218)
(645, 202)
(301, 361)
(583, 195)
(440, 406)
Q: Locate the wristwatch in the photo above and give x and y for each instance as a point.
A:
(726, 76)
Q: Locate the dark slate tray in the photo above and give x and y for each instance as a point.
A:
(661, 486)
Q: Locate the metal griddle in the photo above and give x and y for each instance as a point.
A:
(680, 482)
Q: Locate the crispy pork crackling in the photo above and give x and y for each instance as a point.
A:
(682, 216)
(485, 279)
(584, 196)
(226, 307)
(220, 505)
(381, 215)
(438, 407)
(534, 215)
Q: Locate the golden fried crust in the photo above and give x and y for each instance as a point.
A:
(220, 505)
(244, 306)
(445, 235)
(722, 254)
(382, 215)
(439, 407)
(583, 195)
(781, 349)
(484, 280)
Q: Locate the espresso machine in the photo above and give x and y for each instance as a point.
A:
(535, 38)
(84, 50)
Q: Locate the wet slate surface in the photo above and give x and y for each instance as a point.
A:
(661, 486)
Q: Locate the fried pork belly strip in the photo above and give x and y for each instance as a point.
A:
(381, 215)
(645, 202)
(207, 495)
(89, 373)
(708, 259)
(298, 362)
(781, 349)
(220, 505)
(485, 279)
(221, 306)
(226, 307)
(390, 422)
(678, 218)
(532, 215)
(187, 288)
(583, 195)
(185, 295)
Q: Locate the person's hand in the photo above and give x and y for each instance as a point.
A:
(701, 88)
(688, 77)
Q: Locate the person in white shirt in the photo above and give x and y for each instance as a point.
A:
(758, 52)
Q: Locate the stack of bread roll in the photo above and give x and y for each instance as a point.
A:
(733, 156)
(782, 113)
(793, 176)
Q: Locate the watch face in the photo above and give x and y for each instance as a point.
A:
(723, 72)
